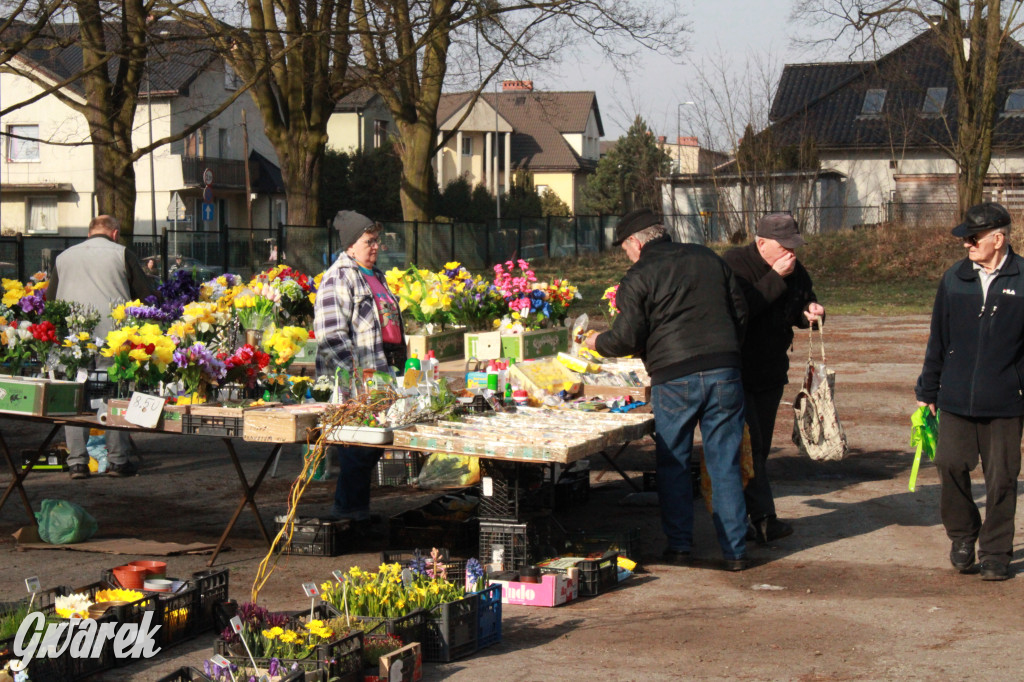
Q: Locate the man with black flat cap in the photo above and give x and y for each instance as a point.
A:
(779, 297)
(682, 312)
(973, 370)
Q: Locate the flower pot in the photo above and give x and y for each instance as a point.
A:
(131, 577)
(155, 569)
(253, 337)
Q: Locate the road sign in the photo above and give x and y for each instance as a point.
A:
(207, 195)
(176, 209)
(207, 212)
(207, 177)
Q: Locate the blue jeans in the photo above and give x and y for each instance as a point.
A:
(352, 494)
(713, 399)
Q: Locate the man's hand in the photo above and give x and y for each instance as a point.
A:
(785, 264)
(814, 312)
(930, 406)
(591, 340)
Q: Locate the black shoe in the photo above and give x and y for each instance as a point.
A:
(769, 529)
(675, 557)
(961, 555)
(739, 564)
(994, 570)
(122, 470)
(79, 471)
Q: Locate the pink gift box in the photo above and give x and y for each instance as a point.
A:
(552, 590)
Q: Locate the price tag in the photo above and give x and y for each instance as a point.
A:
(217, 659)
(82, 375)
(310, 589)
(339, 575)
(144, 410)
(236, 625)
(32, 584)
(487, 489)
(264, 678)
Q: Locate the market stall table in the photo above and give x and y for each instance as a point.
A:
(90, 421)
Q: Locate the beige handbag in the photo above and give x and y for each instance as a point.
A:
(817, 431)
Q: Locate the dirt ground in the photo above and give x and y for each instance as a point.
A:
(862, 590)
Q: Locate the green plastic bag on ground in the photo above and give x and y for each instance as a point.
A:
(62, 523)
(442, 470)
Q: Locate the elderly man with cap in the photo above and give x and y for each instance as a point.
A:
(358, 325)
(779, 297)
(683, 313)
(973, 369)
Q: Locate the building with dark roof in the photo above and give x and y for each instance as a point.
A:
(361, 121)
(555, 136)
(47, 177)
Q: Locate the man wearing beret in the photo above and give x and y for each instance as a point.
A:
(683, 313)
(779, 297)
(973, 370)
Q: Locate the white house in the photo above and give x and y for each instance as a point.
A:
(47, 176)
(361, 121)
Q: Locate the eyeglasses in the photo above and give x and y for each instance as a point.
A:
(974, 239)
(371, 242)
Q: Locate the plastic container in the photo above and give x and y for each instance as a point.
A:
(130, 577)
(155, 569)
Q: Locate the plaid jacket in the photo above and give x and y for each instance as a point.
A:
(346, 322)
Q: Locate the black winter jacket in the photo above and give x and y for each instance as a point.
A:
(681, 310)
(774, 305)
(974, 362)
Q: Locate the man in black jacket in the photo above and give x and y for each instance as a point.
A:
(683, 314)
(779, 297)
(973, 369)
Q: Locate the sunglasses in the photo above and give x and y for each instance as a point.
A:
(974, 239)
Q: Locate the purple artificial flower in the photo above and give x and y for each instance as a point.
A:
(151, 313)
(274, 667)
(474, 570)
(180, 288)
(33, 303)
(206, 669)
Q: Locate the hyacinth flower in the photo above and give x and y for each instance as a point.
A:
(197, 368)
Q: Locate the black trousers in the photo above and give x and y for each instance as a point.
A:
(996, 441)
(762, 408)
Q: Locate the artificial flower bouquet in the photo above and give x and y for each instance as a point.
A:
(475, 301)
(610, 295)
(255, 312)
(531, 304)
(423, 296)
(295, 292)
(140, 354)
(197, 368)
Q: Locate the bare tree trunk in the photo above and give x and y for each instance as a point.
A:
(415, 151)
(300, 171)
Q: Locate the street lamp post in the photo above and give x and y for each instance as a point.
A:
(679, 134)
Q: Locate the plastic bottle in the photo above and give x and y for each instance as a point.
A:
(492, 377)
(502, 376)
(433, 367)
(412, 363)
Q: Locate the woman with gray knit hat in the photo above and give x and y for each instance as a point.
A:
(358, 325)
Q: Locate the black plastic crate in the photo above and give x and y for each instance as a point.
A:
(451, 630)
(211, 589)
(98, 386)
(488, 617)
(41, 669)
(510, 492)
(409, 628)
(596, 575)
(586, 543)
(185, 675)
(211, 425)
(415, 528)
(572, 490)
(454, 569)
(314, 537)
(397, 468)
(54, 459)
(178, 615)
(516, 545)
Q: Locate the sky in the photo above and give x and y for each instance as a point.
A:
(735, 28)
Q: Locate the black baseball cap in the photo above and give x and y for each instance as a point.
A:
(982, 217)
(780, 227)
(633, 222)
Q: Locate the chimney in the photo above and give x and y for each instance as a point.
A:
(688, 142)
(514, 86)
(661, 139)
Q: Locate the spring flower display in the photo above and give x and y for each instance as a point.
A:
(17, 349)
(384, 595)
(197, 367)
(283, 343)
(204, 320)
(474, 300)
(245, 365)
(296, 292)
(76, 351)
(609, 295)
(423, 296)
(531, 304)
(72, 606)
(43, 343)
(255, 312)
(140, 354)
(136, 313)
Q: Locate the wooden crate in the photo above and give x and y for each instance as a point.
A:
(635, 392)
(518, 347)
(286, 424)
(170, 418)
(25, 395)
(446, 345)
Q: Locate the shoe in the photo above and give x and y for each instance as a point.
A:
(740, 564)
(961, 555)
(122, 470)
(675, 557)
(79, 471)
(994, 570)
(769, 529)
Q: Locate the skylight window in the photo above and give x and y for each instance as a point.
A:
(873, 102)
(934, 101)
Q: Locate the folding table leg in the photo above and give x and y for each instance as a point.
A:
(611, 460)
(248, 495)
(22, 474)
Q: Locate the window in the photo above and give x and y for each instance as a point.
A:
(23, 143)
(231, 79)
(380, 133)
(873, 101)
(223, 143)
(1014, 102)
(195, 144)
(541, 189)
(934, 101)
(42, 214)
(467, 146)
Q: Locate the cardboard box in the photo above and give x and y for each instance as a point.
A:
(518, 347)
(170, 418)
(482, 345)
(446, 345)
(25, 395)
(286, 424)
(552, 590)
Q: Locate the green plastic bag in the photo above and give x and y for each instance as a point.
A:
(62, 523)
(924, 435)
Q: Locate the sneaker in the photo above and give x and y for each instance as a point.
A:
(79, 471)
(961, 555)
(994, 570)
(122, 470)
(675, 557)
(769, 529)
(738, 564)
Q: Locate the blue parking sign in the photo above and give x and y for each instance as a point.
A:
(207, 212)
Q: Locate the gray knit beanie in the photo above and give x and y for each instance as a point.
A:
(351, 226)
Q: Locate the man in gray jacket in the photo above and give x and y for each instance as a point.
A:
(99, 273)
